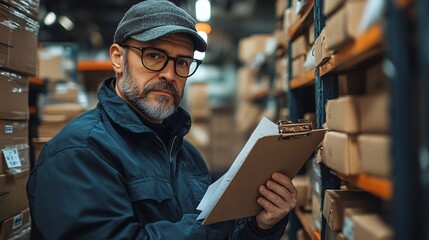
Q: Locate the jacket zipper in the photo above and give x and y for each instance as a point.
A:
(172, 172)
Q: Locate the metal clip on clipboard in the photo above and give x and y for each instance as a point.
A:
(289, 129)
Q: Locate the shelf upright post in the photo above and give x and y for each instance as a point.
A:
(404, 122)
(326, 87)
(423, 47)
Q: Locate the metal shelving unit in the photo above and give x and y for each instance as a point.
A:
(409, 91)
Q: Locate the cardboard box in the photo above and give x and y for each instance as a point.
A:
(330, 6)
(321, 53)
(299, 47)
(199, 101)
(250, 46)
(280, 8)
(14, 144)
(298, 66)
(14, 197)
(28, 7)
(337, 201)
(69, 111)
(341, 153)
(13, 96)
(50, 125)
(352, 83)
(290, 18)
(377, 82)
(19, 40)
(13, 225)
(368, 226)
(311, 34)
(374, 114)
(303, 187)
(38, 144)
(343, 25)
(375, 154)
(342, 114)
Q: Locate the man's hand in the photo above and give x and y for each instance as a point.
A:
(277, 200)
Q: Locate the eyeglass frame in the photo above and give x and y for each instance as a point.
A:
(174, 59)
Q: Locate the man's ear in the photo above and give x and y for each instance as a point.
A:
(117, 58)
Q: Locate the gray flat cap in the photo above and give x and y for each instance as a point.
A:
(152, 19)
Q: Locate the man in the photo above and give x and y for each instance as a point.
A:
(123, 169)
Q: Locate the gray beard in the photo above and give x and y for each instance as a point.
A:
(160, 110)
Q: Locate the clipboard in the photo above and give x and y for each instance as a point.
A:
(285, 152)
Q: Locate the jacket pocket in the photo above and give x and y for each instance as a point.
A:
(150, 189)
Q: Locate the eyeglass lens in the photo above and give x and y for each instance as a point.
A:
(156, 60)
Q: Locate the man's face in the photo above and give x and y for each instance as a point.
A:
(156, 95)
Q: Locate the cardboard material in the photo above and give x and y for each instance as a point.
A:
(14, 224)
(13, 197)
(38, 144)
(337, 201)
(198, 101)
(299, 47)
(280, 7)
(298, 66)
(374, 114)
(343, 25)
(302, 185)
(321, 53)
(19, 43)
(13, 96)
(377, 81)
(352, 83)
(330, 6)
(28, 7)
(374, 151)
(342, 114)
(369, 226)
(269, 154)
(14, 135)
(341, 153)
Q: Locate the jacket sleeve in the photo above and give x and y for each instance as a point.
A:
(246, 228)
(73, 194)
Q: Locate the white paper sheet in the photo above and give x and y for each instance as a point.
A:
(216, 189)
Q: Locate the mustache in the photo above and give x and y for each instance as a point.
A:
(167, 86)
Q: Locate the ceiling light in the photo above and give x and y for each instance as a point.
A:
(204, 27)
(66, 23)
(203, 10)
(50, 18)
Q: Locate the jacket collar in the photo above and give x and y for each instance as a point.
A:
(123, 115)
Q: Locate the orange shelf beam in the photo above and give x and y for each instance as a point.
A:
(380, 187)
(306, 79)
(403, 3)
(295, 30)
(94, 65)
(305, 222)
(362, 48)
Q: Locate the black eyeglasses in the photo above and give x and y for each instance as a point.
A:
(156, 59)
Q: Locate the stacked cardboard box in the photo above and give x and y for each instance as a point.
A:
(18, 60)
(359, 142)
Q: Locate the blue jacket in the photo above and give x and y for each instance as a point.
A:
(106, 175)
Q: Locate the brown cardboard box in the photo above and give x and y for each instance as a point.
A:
(337, 201)
(298, 66)
(343, 25)
(14, 224)
(50, 125)
(14, 137)
(374, 151)
(198, 101)
(13, 96)
(290, 18)
(368, 226)
(250, 46)
(374, 115)
(280, 7)
(38, 144)
(68, 110)
(341, 153)
(321, 54)
(302, 235)
(28, 7)
(342, 114)
(13, 198)
(377, 81)
(302, 185)
(21, 43)
(52, 67)
(299, 47)
(311, 34)
(352, 83)
(330, 6)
